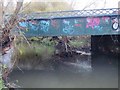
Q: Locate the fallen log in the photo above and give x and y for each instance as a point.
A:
(81, 52)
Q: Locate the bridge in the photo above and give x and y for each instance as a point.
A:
(72, 23)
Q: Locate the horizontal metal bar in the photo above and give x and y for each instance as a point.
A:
(73, 13)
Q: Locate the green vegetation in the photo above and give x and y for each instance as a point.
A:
(38, 52)
(43, 48)
(80, 41)
(1, 80)
(1, 83)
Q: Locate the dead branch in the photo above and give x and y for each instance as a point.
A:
(13, 19)
(81, 52)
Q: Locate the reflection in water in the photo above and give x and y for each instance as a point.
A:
(78, 66)
(103, 75)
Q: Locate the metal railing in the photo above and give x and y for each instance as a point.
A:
(74, 13)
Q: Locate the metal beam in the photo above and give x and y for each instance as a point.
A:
(104, 24)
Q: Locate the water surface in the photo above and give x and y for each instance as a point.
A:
(104, 74)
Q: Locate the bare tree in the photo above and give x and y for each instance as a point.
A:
(6, 29)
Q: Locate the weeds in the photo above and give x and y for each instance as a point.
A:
(34, 55)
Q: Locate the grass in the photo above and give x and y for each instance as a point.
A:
(78, 43)
(37, 53)
(1, 83)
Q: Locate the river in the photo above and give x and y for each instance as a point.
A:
(101, 73)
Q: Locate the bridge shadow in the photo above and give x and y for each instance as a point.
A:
(105, 50)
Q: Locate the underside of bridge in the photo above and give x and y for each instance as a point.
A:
(105, 44)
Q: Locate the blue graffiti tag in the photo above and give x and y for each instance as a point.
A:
(23, 24)
(99, 28)
(44, 25)
(68, 29)
(76, 21)
(33, 26)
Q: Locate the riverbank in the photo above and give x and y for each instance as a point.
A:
(45, 52)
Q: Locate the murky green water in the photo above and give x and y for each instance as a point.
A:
(104, 74)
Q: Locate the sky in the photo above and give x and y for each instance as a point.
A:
(81, 4)
(98, 4)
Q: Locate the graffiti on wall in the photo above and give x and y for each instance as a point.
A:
(68, 27)
(34, 25)
(88, 25)
(92, 22)
(95, 23)
(55, 24)
(77, 23)
(44, 25)
(115, 24)
(29, 25)
(106, 19)
(23, 25)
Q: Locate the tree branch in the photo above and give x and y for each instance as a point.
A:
(13, 19)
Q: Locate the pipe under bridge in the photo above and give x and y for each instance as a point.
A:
(72, 23)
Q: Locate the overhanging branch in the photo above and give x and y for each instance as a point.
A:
(13, 19)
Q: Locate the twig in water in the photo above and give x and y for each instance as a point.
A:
(20, 69)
